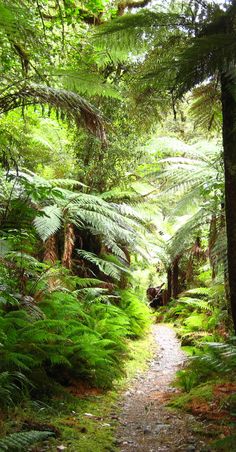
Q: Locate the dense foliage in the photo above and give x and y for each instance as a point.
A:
(114, 178)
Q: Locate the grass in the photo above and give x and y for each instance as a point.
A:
(84, 423)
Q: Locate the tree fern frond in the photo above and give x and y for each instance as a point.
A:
(134, 32)
(203, 57)
(68, 101)
(113, 247)
(205, 107)
(183, 238)
(49, 223)
(109, 268)
(84, 82)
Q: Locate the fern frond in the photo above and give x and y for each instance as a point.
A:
(205, 107)
(48, 223)
(182, 239)
(75, 106)
(202, 59)
(134, 32)
(199, 291)
(195, 303)
(22, 440)
(108, 268)
(84, 82)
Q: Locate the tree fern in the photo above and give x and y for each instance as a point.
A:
(134, 32)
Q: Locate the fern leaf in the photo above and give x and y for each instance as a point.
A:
(22, 440)
(108, 268)
(49, 223)
(74, 105)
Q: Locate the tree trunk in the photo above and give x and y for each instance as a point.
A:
(169, 280)
(51, 250)
(69, 241)
(175, 278)
(51, 256)
(211, 244)
(228, 92)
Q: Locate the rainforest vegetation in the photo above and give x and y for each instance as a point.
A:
(117, 174)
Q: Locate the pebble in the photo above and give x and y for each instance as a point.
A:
(147, 431)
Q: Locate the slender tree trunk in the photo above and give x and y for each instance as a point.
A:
(169, 285)
(69, 241)
(175, 278)
(228, 93)
(51, 256)
(211, 244)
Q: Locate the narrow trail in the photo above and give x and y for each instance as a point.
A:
(146, 424)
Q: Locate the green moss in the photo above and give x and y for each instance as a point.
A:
(203, 393)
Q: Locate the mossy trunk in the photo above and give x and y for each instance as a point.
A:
(228, 97)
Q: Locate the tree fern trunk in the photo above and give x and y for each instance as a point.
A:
(175, 278)
(51, 250)
(51, 256)
(169, 280)
(211, 243)
(69, 241)
(228, 93)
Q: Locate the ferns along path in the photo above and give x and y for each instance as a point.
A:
(117, 225)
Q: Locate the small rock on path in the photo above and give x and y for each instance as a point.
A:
(146, 424)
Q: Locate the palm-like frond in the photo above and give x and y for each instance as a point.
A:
(71, 103)
(203, 58)
(183, 238)
(109, 268)
(135, 31)
(49, 222)
(86, 83)
(205, 107)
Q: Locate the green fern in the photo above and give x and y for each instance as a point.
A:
(108, 268)
(50, 222)
(195, 303)
(22, 440)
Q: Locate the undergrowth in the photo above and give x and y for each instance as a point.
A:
(208, 380)
(84, 421)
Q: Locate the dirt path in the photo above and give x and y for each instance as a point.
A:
(146, 424)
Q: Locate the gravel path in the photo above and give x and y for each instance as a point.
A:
(146, 424)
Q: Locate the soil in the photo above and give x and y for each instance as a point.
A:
(146, 423)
